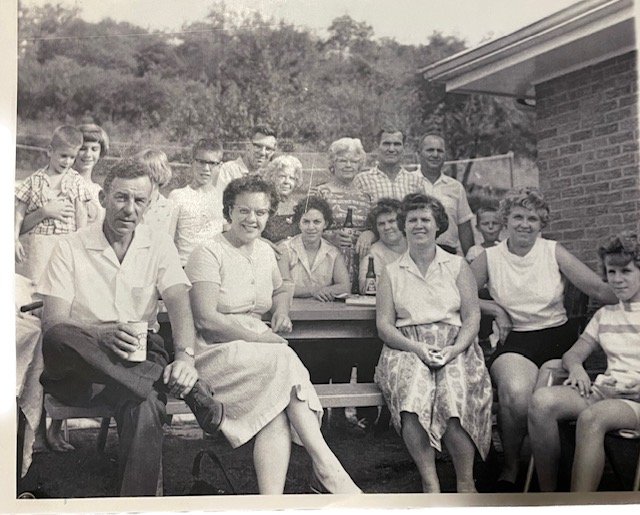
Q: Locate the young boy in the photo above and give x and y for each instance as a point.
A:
(489, 225)
(56, 196)
(613, 400)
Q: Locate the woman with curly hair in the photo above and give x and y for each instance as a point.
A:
(525, 275)
(346, 159)
(285, 172)
(264, 387)
(431, 370)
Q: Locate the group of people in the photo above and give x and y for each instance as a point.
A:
(235, 245)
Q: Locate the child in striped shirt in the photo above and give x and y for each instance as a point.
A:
(612, 401)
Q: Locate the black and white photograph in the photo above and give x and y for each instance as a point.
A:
(321, 254)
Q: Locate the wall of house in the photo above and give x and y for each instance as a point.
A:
(587, 131)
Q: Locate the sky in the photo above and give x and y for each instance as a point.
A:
(407, 21)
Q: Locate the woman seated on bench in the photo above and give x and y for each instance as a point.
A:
(613, 400)
(264, 387)
(431, 371)
(525, 277)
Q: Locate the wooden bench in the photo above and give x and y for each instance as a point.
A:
(339, 395)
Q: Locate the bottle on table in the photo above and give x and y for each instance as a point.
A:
(370, 279)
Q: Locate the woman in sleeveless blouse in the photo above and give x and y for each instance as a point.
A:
(265, 388)
(431, 371)
(525, 277)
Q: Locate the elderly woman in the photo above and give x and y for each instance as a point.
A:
(346, 159)
(525, 277)
(262, 383)
(431, 369)
(285, 172)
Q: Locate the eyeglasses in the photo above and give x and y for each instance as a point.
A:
(246, 211)
(204, 162)
(343, 161)
(259, 146)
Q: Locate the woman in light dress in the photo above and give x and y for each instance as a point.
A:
(431, 371)
(262, 383)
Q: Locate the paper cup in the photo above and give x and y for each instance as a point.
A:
(139, 329)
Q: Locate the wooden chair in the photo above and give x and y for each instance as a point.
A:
(556, 375)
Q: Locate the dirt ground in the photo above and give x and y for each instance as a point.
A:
(378, 463)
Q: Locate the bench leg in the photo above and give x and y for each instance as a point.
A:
(104, 432)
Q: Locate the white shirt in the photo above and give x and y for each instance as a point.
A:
(529, 288)
(85, 271)
(199, 217)
(229, 171)
(426, 299)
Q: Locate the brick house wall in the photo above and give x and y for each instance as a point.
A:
(587, 133)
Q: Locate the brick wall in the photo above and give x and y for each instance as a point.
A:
(587, 131)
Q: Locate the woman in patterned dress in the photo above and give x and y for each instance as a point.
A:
(431, 371)
(346, 159)
(264, 387)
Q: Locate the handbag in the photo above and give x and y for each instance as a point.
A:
(200, 485)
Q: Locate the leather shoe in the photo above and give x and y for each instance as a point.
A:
(208, 412)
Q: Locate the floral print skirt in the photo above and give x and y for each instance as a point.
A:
(461, 389)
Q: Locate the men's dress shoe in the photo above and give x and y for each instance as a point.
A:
(208, 412)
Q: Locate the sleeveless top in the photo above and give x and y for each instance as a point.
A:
(529, 288)
(426, 299)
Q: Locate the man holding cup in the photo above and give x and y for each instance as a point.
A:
(100, 291)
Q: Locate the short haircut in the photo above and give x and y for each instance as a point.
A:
(624, 247)
(415, 201)
(66, 136)
(384, 206)
(157, 165)
(433, 134)
(248, 184)
(486, 209)
(390, 129)
(345, 145)
(92, 133)
(528, 198)
(205, 145)
(125, 169)
(263, 129)
(285, 162)
(306, 204)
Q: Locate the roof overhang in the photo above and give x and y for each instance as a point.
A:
(578, 36)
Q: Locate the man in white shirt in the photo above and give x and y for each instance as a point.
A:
(458, 238)
(199, 204)
(259, 152)
(98, 280)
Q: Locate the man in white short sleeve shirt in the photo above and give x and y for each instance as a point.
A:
(458, 238)
(99, 279)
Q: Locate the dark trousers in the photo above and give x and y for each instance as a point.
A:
(80, 372)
